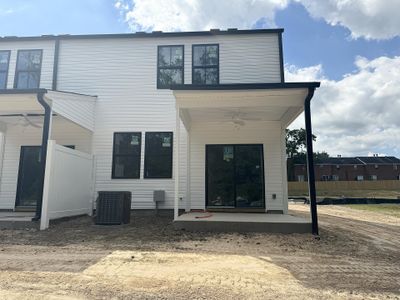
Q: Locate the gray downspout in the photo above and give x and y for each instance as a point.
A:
(43, 151)
(55, 63)
(281, 65)
(310, 162)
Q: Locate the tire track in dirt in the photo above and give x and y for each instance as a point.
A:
(367, 224)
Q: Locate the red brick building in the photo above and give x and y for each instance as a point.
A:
(352, 168)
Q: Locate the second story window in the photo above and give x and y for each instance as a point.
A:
(169, 66)
(4, 62)
(27, 74)
(205, 60)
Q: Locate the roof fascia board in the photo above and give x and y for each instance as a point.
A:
(248, 86)
(154, 34)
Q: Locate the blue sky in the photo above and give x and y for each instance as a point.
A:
(323, 40)
(309, 42)
(306, 41)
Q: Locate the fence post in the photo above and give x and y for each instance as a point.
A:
(44, 220)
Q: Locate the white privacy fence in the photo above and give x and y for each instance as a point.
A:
(68, 184)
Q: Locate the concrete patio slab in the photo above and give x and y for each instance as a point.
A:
(242, 222)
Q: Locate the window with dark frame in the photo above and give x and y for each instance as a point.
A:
(126, 155)
(158, 155)
(27, 73)
(205, 64)
(4, 64)
(169, 66)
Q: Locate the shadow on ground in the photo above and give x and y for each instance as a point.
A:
(343, 259)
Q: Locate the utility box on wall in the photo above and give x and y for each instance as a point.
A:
(158, 197)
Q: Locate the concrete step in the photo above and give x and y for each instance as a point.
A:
(17, 220)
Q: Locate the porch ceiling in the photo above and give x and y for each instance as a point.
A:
(227, 114)
(75, 107)
(240, 98)
(240, 106)
(19, 103)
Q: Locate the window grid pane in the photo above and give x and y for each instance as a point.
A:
(205, 68)
(126, 155)
(4, 63)
(158, 157)
(3, 80)
(4, 59)
(28, 69)
(126, 166)
(170, 66)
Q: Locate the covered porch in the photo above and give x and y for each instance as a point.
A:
(43, 131)
(236, 156)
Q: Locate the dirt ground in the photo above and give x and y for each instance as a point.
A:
(356, 257)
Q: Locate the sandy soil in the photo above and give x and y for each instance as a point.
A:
(356, 257)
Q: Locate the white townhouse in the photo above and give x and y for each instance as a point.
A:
(199, 115)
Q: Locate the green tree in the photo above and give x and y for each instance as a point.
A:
(296, 150)
(296, 142)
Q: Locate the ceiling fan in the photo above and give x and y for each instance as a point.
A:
(25, 121)
(239, 118)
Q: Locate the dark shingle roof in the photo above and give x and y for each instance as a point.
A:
(379, 159)
(340, 161)
(360, 160)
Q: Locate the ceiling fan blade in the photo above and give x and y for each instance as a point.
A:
(238, 122)
(250, 119)
(29, 122)
(233, 121)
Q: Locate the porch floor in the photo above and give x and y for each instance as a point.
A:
(242, 222)
(12, 219)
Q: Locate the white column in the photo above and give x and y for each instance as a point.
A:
(285, 199)
(176, 163)
(3, 129)
(188, 200)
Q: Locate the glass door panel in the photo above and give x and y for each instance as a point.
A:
(220, 176)
(249, 176)
(29, 184)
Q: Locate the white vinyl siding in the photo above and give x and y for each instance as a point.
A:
(77, 108)
(123, 74)
(46, 76)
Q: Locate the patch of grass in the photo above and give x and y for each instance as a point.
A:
(387, 209)
(387, 194)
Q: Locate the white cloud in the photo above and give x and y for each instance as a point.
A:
(175, 15)
(359, 113)
(372, 19)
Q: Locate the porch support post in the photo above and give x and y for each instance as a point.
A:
(176, 163)
(188, 200)
(310, 162)
(43, 151)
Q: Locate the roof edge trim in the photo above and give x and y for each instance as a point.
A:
(246, 86)
(142, 34)
(22, 91)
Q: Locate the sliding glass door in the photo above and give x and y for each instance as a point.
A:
(234, 176)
